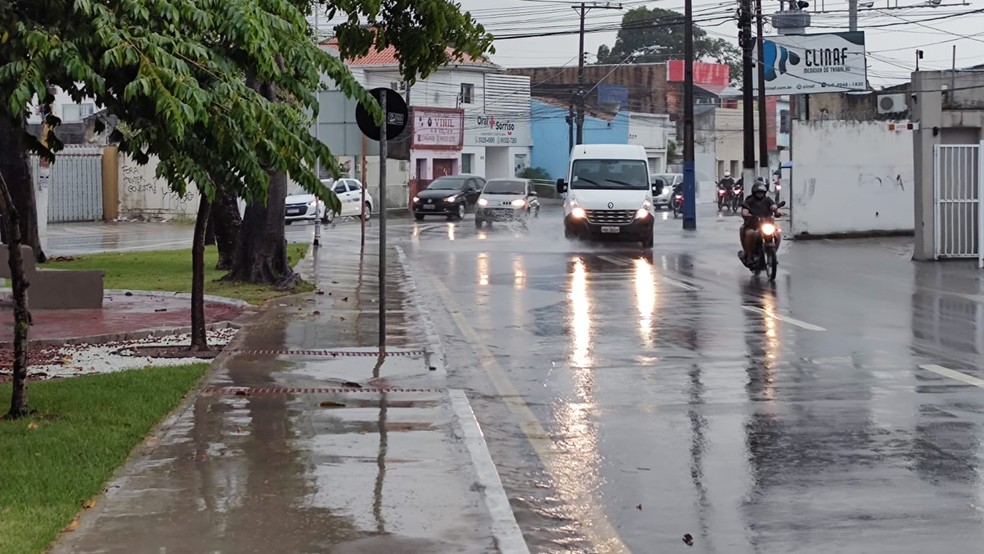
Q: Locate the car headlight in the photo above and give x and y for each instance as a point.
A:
(578, 213)
(483, 202)
(518, 203)
(451, 199)
(768, 229)
(312, 203)
(416, 199)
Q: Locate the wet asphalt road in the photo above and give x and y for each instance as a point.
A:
(629, 399)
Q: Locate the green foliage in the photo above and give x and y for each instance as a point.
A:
(656, 35)
(671, 151)
(222, 91)
(535, 173)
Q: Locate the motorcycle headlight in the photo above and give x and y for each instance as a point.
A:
(768, 229)
(578, 213)
(483, 202)
(518, 203)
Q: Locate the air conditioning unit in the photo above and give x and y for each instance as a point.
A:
(400, 86)
(892, 103)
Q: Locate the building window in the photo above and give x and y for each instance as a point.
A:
(783, 121)
(467, 93)
(85, 110)
(467, 163)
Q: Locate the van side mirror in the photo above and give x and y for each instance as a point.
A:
(561, 186)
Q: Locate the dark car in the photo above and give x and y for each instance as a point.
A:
(451, 196)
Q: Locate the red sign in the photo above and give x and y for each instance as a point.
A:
(438, 128)
(704, 73)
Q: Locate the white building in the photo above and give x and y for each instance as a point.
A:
(651, 131)
(66, 109)
(467, 117)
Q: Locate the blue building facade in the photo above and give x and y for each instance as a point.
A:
(550, 135)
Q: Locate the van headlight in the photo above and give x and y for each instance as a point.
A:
(518, 203)
(483, 202)
(643, 212)
(578, 213)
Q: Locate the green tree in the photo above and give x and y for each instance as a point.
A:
(218, 90)
(427, 34)
(656, 35)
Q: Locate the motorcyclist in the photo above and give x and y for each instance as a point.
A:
(726, 182)
(756, 205)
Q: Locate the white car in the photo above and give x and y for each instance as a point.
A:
(303, 206)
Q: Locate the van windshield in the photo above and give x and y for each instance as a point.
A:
(610, 175)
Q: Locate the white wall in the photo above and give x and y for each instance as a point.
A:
(58, 108)
(142, 194)
(851, 177)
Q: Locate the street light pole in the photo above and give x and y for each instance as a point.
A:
(748, 104)
(583, 8)
(763, 120)
(382, 223)
(689, 173)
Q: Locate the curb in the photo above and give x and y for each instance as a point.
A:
(182, 295)
(505, 529)
(120, 337)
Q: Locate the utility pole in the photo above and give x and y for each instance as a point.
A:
(748, 104)
(763, 116)
(852, 17)
(382, 223)
(689, 172)
(583, 8)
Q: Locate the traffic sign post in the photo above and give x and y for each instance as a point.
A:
(395, 119)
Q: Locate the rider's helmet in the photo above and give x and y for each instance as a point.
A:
(727, 174)
(759, 188)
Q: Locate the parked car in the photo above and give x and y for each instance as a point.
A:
(669, 181)
(303, 206)
(451, 196)
(507, 200)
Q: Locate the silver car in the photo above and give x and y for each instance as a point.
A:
(669, 181)
(507, 200)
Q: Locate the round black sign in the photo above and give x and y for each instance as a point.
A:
(397, 115)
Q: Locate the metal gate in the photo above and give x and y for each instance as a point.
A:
(958, 201)
(75, 190)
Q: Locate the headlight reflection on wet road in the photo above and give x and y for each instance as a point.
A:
(580, 316)
(645, 291)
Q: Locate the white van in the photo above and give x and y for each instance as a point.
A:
(609, 194)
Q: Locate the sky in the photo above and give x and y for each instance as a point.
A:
(891, 35)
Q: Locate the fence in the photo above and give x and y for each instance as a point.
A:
(75, 190)
(958, 201)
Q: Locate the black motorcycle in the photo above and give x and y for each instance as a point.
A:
(737, 197)
(765, 258)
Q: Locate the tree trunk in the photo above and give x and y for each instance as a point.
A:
(199, 340)
(14, 166)
(261, 253)
(225, 215)
(210, 231)
(22, 317)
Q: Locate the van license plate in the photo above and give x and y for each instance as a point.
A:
(611, 229)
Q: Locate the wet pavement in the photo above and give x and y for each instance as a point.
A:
(629, 399)
(120, 317)
(305, 440)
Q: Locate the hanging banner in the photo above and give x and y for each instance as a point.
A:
(811, 64)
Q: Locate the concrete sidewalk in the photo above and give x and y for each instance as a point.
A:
(304, 439)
